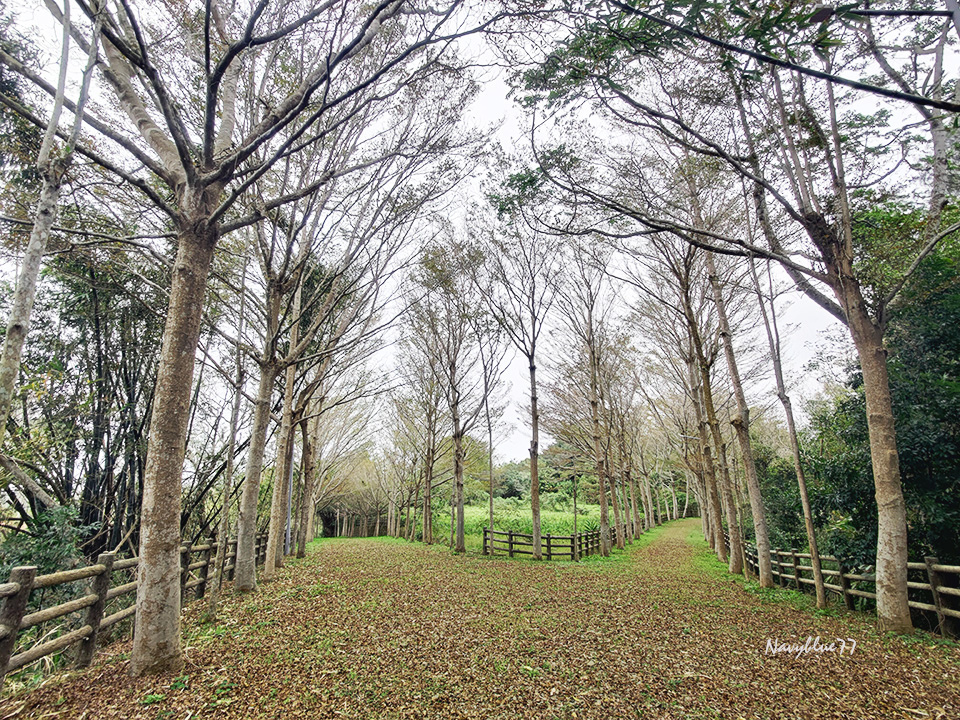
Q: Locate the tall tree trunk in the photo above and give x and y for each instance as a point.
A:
(52, 172)
(534, 458)
(489, 419)
(773, 340)
(614, 499)
(647, 504)
(309, 486)
(428, 462)
(598, 455)
(458, 456)
(156, 644)
(284, 463)
(245, 574)
(709, 469)
(223, 546)
(637, 526)
(733, 528)
(893, 610)
(741, 424)
(686, 500)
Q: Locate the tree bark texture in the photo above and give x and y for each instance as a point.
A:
(156, 645)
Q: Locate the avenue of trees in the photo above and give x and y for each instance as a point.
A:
(275, 275)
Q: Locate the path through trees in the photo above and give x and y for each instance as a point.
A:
(385, 629)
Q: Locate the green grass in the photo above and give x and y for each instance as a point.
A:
(511, 514)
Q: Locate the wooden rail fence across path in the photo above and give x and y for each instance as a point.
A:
(553, 547)
(100, 602)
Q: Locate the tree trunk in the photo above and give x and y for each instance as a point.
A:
(617, 516)
(595, 422)
(534, 459)
(733, 528)
(458, 455)
(283, 471)
(741, 425)
(486, 409)
(52, 171)
(284, 464)
(892, 608)
(156, 645)
(773, 340)
(223, 546)
(428, 462)
(632, 481)
(22, 306)
(245, 575)
(709, 469)
(309, 484)
(647, 504)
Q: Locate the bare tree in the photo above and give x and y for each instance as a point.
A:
(468, 352)
(523, 266)
(802, 173)
(52, 169)
(208, 159)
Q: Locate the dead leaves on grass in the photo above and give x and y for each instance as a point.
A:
(384, 630)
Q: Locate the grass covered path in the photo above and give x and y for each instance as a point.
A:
(385, 629)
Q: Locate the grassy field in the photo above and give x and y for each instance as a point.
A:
(515, 515)
(383, 629)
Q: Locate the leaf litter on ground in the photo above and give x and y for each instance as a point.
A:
(376, 629)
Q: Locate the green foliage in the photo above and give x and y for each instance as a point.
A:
(602, 48)
(51, 542)
(925, 385)
(781, 497)
(19, 139)
(888, 233)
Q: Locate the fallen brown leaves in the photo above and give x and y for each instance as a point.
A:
(383, 629)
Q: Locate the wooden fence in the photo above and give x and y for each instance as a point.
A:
(553, 547)
(101, 604)
(927, 581)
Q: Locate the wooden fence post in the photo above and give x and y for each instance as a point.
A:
(485, 541)
(227, 566)
(510, 542)
(845, 585)
(11, 613)
(549, 547)
(184, 572)
(100, 587)
(796, 568)
(948, 625)
(205, 570)
(776, 553)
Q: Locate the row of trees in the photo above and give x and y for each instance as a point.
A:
(254, 198)
(284, 155)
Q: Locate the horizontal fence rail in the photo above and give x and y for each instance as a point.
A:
(934, 587)
(553, 547)
(99, 603)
